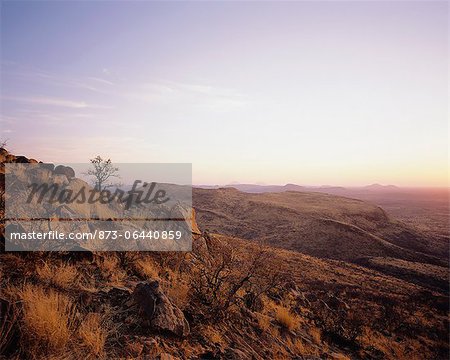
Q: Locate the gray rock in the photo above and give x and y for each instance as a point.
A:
(65, 170)
(158, 310)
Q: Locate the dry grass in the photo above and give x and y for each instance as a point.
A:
(285, 318)
(8, 326)
(146, 268)
(213, 335)
(316, 335)
(299, 346)
(341, 357)
(63, 276)
(177, 289)
(264, 322)
(93, 334)
(397, 350)
(111, 270)
(109, 263)
(48, 319)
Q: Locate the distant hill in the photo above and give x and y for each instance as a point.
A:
(318, 224)
(378, 187)
(255, 188)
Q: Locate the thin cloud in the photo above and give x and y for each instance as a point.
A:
(191, 94)
(57, 102)
(92, 83)
(102, 81)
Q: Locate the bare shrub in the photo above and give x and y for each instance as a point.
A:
(127, 258)
(174, 260)
(342, 322)
(223, 274)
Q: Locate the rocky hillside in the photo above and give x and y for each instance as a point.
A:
(228, 298)
(318, 224)
(85, 216)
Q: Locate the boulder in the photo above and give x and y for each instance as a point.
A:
(179, 212)
(22, 160)
(195, 229)
(10, 158)
(3, 154)
(38, 175)
(158, 311)
(119, 295)
(60, 179)
(65, 170)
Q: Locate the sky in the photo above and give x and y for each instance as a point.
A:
(313, 93)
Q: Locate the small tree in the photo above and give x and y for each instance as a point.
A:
(102, 171)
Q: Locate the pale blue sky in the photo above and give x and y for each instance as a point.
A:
(343, 93)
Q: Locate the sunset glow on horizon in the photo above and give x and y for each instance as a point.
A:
(336, 93)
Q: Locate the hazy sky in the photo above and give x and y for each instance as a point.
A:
(342, 93)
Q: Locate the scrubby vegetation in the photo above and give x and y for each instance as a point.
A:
(235, 303)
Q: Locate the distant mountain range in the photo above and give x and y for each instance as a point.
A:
(256, 188)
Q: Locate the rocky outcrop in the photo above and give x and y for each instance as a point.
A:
(65, 170)
(7, 157)
(158, 312)
(178, 212)
(55, 213)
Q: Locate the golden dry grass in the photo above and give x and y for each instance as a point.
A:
(146, 268)
(111, 271)
(213, 335)
(264, 322)
(93, 334)
(177, 289)
(301, 347)
(285, 318)
(63, 276)
(48, 318)
(316, 335)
